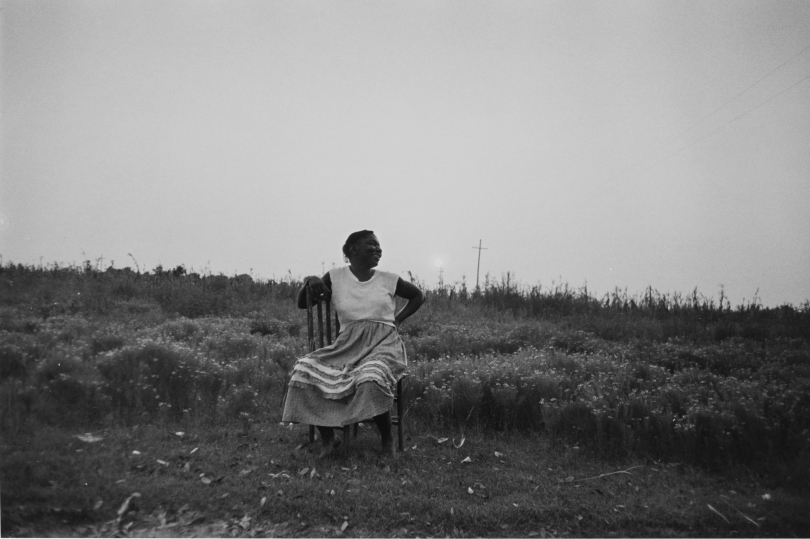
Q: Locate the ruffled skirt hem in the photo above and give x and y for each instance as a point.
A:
(352, 380)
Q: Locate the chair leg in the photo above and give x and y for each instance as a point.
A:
(312, 433)
(399, 416)
(347, 434)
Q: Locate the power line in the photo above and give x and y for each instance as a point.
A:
(704, 118)
(725, 124)
(777, 68)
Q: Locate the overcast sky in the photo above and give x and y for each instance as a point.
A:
(618, 144)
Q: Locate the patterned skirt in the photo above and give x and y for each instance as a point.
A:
(352, 380)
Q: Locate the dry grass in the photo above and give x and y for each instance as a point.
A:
(512, 485)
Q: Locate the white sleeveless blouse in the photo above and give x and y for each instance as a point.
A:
(373, 300)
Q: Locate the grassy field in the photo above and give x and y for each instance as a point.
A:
(530, 412)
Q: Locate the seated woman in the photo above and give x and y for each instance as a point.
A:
(355, 378)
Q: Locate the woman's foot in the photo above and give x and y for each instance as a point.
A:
(328, 441)
(328, 447)
(388, 448)
(384, 424)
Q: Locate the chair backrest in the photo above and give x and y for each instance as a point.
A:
(311, 322)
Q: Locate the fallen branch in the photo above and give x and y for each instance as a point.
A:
(718, 512)
(627, 471)
(746, 517)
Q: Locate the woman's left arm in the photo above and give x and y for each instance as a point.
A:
(415, 299)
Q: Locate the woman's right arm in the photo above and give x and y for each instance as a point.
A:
(318, 285)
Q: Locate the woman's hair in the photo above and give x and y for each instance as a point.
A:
(353, 238)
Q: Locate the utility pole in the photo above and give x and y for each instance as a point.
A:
(478, 270)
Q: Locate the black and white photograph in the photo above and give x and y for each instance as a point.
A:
(405, 268)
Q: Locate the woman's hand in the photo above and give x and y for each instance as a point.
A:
(320, 288)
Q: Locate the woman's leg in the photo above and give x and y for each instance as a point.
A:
(383, 422)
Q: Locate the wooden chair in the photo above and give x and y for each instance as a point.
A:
(396, 413)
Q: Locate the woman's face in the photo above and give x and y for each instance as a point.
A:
(367, 251)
